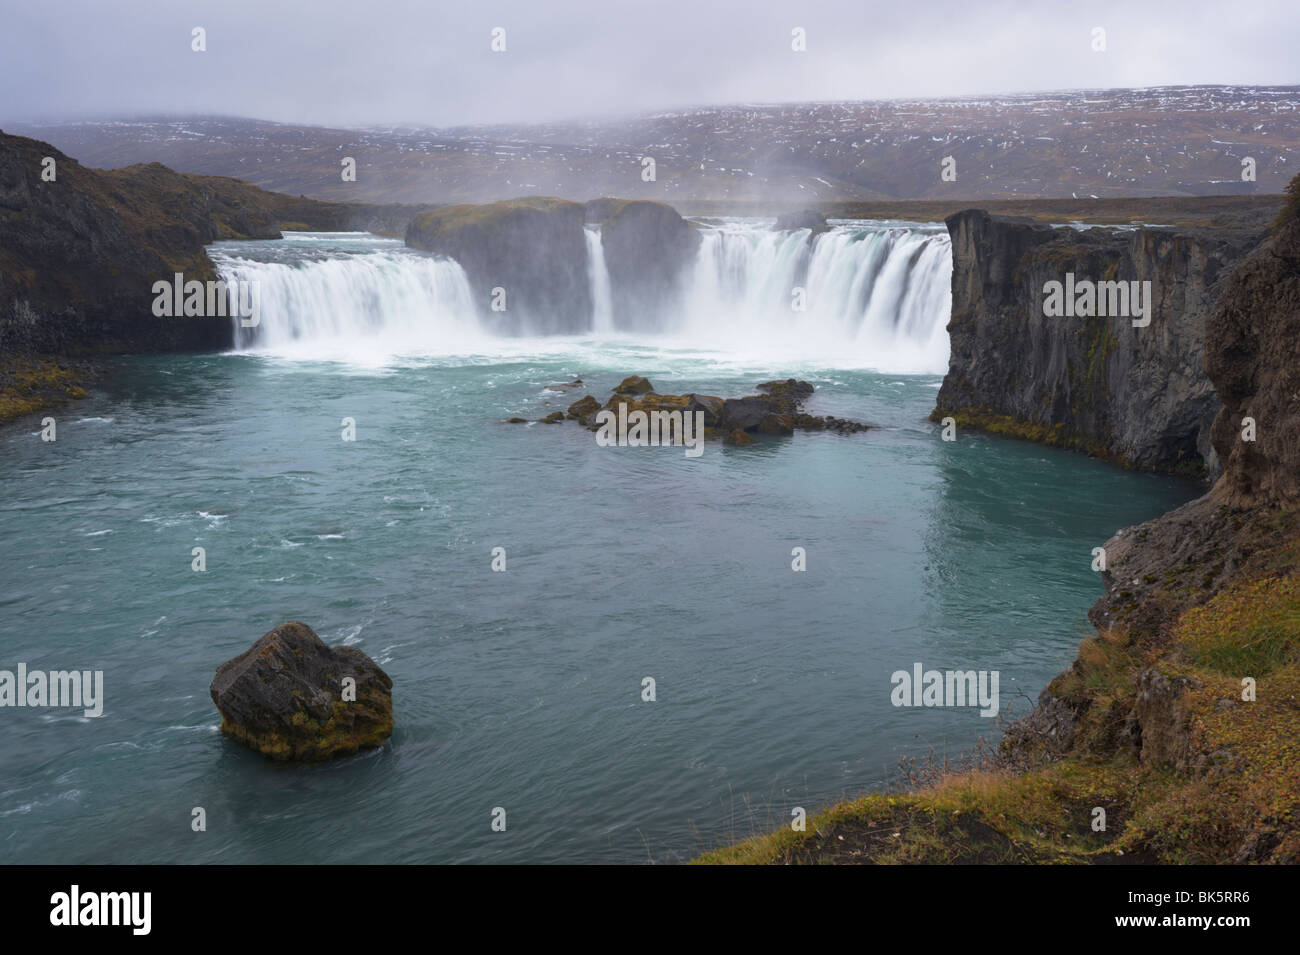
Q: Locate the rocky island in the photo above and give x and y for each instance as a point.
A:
(777, 410)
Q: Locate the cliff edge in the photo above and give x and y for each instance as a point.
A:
(1115, 365)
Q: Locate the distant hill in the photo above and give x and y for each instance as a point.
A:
(1170, 141)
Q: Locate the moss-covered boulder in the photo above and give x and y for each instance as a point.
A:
(791, 391)
(634, 385)
(709, 404)
(291, 697)
(587, 405)
(777, 424)
(775, 412)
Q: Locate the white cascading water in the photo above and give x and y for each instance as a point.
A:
(873, 297)
(365, 306)
(602, 299)
(878, 298)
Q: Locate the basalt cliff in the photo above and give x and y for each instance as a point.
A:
(1127, 387)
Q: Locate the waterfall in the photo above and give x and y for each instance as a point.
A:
(879, 297)
(378, 300)
(868, 295)
(602, 299)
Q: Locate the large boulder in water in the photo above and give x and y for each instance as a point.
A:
(534, 248)
(287, 697)
(649, 250)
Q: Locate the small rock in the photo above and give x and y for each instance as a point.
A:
(555, 417)
(565, 385)
(710, 405)
(739, 438)
(583, 407)
(634, 385)
(516, 420)
(803, 219)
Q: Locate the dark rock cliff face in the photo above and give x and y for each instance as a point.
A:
(535, 249)
(1245, 530)
(1253, 357)
(1252, 347)
(649, 249)
(1136, 395)
(79, 256)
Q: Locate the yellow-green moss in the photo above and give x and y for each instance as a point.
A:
(341, 734)
(1055, 435)
(30, 386)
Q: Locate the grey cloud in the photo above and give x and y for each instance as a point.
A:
(361, 63)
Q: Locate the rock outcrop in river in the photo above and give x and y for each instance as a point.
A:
(648, 249)
(1136, 395)
(291, 697)
(534, 250)
(778, 410)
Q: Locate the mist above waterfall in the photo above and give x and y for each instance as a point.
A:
(868, 295)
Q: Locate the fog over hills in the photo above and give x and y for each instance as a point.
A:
(1165, 141)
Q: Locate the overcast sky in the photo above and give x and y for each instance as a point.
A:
(429, 62)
